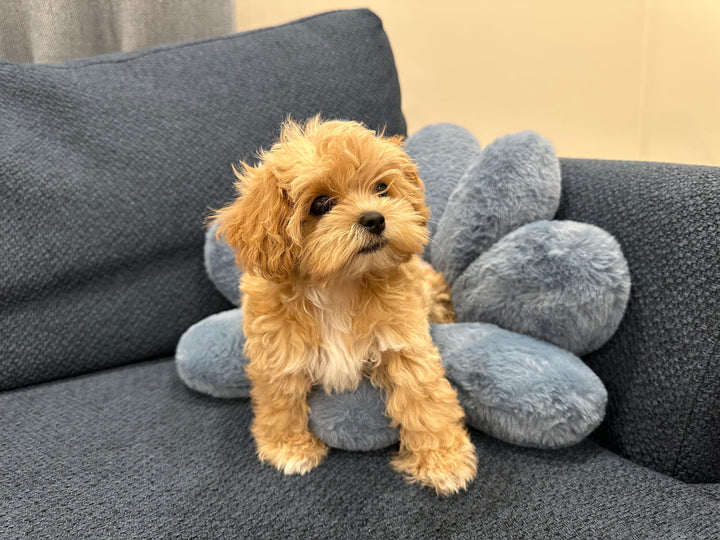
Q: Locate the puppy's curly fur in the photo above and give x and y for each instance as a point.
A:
(328, 228)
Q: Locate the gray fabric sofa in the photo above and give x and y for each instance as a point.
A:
(108, 166)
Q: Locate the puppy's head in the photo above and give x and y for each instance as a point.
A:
(328, 200)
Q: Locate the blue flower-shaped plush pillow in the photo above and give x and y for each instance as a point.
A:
(531, 295)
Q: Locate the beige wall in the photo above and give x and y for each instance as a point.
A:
(614, 79)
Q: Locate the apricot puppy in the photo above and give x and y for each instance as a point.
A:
(328, 228)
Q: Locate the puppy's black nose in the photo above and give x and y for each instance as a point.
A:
(373, 222)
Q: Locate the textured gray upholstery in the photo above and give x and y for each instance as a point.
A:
(662, 367)
(132, 452)
(109, 164)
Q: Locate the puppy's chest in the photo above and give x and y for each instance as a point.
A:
(346, 351)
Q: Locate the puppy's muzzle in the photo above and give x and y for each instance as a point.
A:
(374, 222)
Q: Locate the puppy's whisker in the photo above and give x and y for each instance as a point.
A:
(433, 242)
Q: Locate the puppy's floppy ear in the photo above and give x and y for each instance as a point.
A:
(409, 170)
(255, 225)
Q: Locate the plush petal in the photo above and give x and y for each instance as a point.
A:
(209, 357)
(519, 389)
(515, 181)
(220, 266)
(443, 152)
(352, 420)
(561, 281)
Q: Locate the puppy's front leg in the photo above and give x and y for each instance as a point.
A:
(280, 424)
(435, 447)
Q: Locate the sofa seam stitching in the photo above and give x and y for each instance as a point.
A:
(696, 399)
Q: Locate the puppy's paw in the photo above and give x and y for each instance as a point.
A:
(446, 470)
(298, 455)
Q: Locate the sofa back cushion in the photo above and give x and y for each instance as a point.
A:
(108, 167)
(662, 367)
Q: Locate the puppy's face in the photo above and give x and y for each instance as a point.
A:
(328, 200)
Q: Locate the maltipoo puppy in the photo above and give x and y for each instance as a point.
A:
(327, 229)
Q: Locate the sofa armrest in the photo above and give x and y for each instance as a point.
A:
(662, 368)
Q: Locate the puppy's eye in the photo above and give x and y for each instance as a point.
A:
(321, 205)
(381, 189)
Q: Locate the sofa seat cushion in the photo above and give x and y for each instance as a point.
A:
(131, 452)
